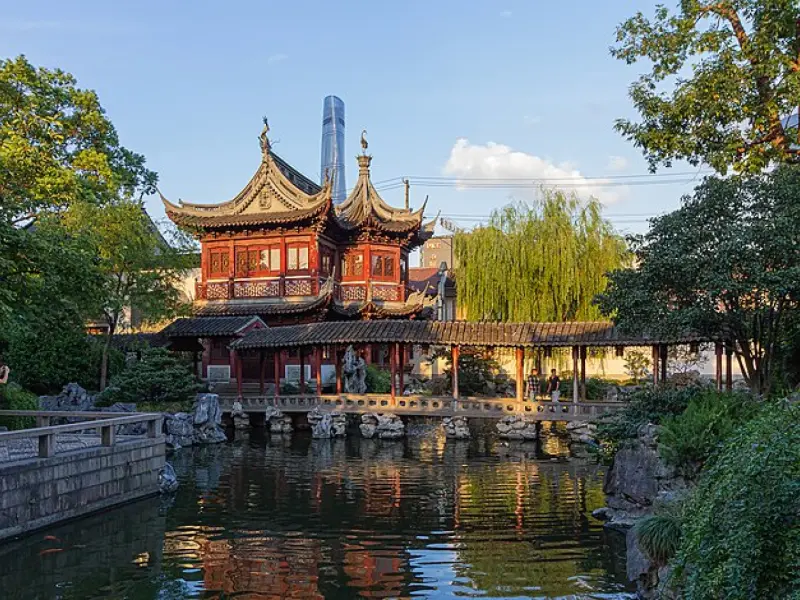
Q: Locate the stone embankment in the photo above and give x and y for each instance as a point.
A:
(456, 428)
(326, 425)
(277, 421)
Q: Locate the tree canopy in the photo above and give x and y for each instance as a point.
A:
(724, 81)
(543, 261)
(727, 263)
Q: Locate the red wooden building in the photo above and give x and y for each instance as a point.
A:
(282, 253)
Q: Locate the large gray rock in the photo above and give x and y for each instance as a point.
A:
(385, 426)
(167, 480)
(327, 425)
(180, 429)
(207, 420)
(241, 420)
(73, 397)
(456, 428)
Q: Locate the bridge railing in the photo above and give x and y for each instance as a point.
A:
(105, 422)
(432, 405)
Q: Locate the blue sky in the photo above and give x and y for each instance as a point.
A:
(500, 89)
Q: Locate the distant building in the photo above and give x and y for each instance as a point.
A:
(332, 160)
(437, 250)
(437, 284)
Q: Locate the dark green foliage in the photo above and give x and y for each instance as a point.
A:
(597, 388)
(741, 528)
(158, 376)
(13, 397)
(478, 372)
(659, 536)
(726, 263)
(687, 440)
(379, 381)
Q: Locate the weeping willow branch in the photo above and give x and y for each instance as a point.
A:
(544, 261)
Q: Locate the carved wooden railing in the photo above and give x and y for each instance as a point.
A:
(271, 287)
(105, 422)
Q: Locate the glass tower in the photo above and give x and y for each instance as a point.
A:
(332, 161)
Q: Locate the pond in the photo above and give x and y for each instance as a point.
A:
(273, 517)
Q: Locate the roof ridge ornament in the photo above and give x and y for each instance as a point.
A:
(264, 140)
(364, 143)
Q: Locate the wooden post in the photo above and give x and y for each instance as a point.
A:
(584, 352)
(655, 355)
(276, 358)
(520, 374)
(262, 362)
(728, 367)
(393, 371)
(718, 365)
(302, 371)
(319, 370)
(401, 363)
(238, 361)
(663, 354)
(455, 371)
(575, 382)
(107, 435)
(338, 358)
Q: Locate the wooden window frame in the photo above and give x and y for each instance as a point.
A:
(298, 246)
(224, 262)
(349, 257)
(381, 259)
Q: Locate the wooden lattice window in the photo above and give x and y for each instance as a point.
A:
(353, 265)
(383, 266)
(296, 257)
(219, 262)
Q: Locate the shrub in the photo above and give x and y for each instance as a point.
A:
(659, 537)
(158, 377)
(637, 365)
(687, 440)
(741, 528)
(13, 397)
(379, 381)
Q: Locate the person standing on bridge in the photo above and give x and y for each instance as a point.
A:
(533, 385)
(554, 386)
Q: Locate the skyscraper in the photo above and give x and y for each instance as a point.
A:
(332, 161)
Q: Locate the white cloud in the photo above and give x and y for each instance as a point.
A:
(276, 58)
(505, 14)
(532, 120)
(500, 162)
(617, 163)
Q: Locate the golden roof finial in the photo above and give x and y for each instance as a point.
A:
(264, 140)
(364, 144)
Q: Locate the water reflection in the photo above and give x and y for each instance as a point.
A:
(293, 517)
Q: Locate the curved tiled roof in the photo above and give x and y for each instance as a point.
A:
(449, 333)
(208, 326)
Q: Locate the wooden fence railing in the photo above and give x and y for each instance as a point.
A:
(105, 422)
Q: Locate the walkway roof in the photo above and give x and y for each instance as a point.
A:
(447, 333)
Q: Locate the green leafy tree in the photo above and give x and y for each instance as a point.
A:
(723, 82)
(538, 262)
(139, 268)
(727, 263)
(637, 365)
(158, 377)
(741, 527)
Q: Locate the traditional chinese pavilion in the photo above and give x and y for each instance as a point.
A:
(280, 252)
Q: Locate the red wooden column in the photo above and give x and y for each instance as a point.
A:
(276, 357)
(718, 365)
(262, 361)
(338, 357)
(656, 370)
(393, 371)
(238, 361)
(302, 371)
(662, 349)
(318, 360)
(401, 363)
(456, 352)
(520, 355)
(576, 351)
(584, 352)
(728, 367)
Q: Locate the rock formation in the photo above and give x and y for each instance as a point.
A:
(207, 420)
(354, 369)
(517, 427)
(456, 428)
(167, 481)
(277, 421)
(326, 424)
(241, 420)
(385, 426)
(582, 432)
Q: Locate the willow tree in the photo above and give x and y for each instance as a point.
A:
(543, 261)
